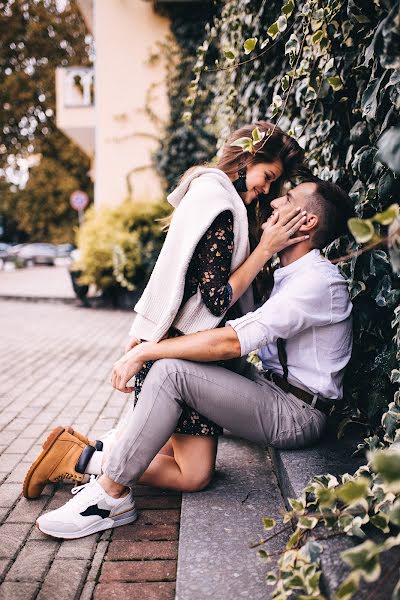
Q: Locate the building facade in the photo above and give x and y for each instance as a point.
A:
(115, 110)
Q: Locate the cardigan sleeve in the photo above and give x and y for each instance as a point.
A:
(212, 264)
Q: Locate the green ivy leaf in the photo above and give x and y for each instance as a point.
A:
(361, 229)
(288, 8)
(317, 37)
(349, 586)
(229, 54)
(273, 30)
(389, 149)
(394, 513)
(269, 523)
(271, 578)
(307, 522)
(335, 82)
(353, 491)
(249, 45)
(388, 216)
(381, 521)
(285, 83)
(257, 135)
(311, 551)
(387, 464)
(245, 143)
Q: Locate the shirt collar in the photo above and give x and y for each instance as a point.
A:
(309, 258)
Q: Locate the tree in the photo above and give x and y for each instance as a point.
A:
(35, 38)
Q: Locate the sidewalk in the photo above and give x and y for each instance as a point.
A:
(37, 282)
(56, 362)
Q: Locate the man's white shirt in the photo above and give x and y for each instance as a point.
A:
(310, 309)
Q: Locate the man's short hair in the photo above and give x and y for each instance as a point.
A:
(334, 208)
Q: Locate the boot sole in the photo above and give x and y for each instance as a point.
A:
(50, 440)
(110, 523)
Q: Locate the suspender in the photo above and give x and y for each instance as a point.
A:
(282, 355)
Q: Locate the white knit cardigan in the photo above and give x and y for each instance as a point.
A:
(198, 200)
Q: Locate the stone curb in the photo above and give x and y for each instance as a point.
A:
(219, 523)
(54, 300)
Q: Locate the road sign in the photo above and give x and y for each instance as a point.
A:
(79, 200)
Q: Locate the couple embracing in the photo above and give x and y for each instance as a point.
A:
(197, 321)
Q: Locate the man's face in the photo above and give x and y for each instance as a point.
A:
(299, 196)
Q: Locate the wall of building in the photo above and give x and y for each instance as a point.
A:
(126, 32)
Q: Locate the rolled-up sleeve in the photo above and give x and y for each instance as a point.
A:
(285, 314)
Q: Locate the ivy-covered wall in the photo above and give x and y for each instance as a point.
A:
(329, 74)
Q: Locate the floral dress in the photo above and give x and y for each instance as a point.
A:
(209, 270)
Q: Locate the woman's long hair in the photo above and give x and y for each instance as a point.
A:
(276, 145)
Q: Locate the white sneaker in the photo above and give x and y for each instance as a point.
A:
(91, 510)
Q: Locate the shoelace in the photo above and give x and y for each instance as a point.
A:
(79, 488)
(81, 502)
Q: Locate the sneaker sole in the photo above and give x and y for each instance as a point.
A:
(51, 439)
(110, 523)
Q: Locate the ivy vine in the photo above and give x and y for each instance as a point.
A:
(329, 73)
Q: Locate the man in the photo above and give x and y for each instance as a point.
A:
(303, 333)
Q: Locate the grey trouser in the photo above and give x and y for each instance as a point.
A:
(249, 406)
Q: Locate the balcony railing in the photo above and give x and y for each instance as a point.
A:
(78, 87)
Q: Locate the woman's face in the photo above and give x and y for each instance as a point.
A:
(259, 178)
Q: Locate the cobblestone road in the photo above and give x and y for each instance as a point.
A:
(56, 363)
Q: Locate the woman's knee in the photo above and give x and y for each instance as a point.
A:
(196, 482)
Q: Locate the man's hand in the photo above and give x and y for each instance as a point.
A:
(131, 344)
(280, 229)
(127, 367)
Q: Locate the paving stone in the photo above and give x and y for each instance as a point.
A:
(98, 558)
(18, 591)
(149, 570)
(9, 493)
(157, 502)
(9, 461)
(20, 446)
(27, 511)
(32, 562)
(134, 591)
(79, 549)
(4, 566)
(138, 531)
(12, 538)
(159, 517)
(17, 475)
(150, 550)
(144, 490)
(3, 514)
(65, 580)
(8, 436)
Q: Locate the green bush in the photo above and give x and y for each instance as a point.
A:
(120, 245)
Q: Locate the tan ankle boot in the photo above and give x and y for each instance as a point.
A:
(58, 460)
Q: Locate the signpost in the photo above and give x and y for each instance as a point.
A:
(79, 201)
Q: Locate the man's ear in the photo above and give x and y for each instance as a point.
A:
(310, 224)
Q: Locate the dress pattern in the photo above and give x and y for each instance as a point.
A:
(209, 270)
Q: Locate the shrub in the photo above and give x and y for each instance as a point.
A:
(120, 245)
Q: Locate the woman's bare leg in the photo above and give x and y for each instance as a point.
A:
(190, 469)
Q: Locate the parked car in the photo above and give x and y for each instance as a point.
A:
(64, 250)
(37, 254)
(4, 249)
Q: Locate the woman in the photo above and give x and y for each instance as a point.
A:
(202, 278)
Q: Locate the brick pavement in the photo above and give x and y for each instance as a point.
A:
(56, 364)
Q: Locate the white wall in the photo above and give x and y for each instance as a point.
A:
(125, 32)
